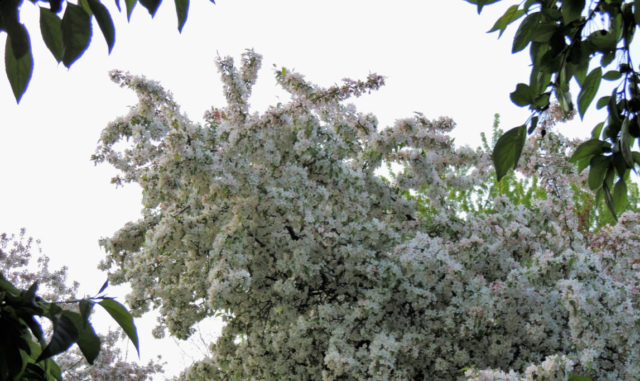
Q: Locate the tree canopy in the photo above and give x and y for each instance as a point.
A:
(66, 37)
(322, 268)
(580, 42)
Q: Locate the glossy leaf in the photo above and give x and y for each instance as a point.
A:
(589, 89)
(533, 125)
(104, 22)
(480, 3)
(604, 41)
(620, 196)
(64, 335)
(124, 319)
(104, 286)
(608, 198)
(522, 96)
(151, 5)
(85, 5)
(51, 29)
(626, 140)
(130, 4)
(597, 130)
(76, 33)
(18, 69)
(598, 172)
(585, 151)
(87, 340)
(525, 32)
(612, 75)
(20, 42)
(602, 102)
(182, 10)
(508, 149)
(85, 307)
(55, 5)
(543, 32)
(511, 15)
(572, 10)
(564, 99)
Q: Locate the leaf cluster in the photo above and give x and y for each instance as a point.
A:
(24, 352)
(66, 29)
(585, 42)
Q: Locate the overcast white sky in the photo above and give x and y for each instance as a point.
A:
(435, 54)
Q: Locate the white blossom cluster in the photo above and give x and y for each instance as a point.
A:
(325, 270)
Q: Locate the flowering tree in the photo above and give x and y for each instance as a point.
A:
(323, 269)
(577, 39)
(21, 268)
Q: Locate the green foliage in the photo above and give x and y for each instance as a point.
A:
(518, 189)
(24, 353)
(565, 39)
(68, 37)
(591, 208)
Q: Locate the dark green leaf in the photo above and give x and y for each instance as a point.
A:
(603, 40)
(619, 164)
(182, 9)
(522, 96)
(104, 21)
(130, 5)
(30, 294)
(608, 198)
(511, 15)
(85, 310)
(572, 10)
(602, 102)
(542, 101)
(124, 319)
(20, 42)
(88, 341)
(34, 326)
(598, 171)
(607, 58)
(51, 29)
(479, 3)
(104, 286)
(564, 99)
(534, 124)
(151, 5)
(507, 150)
(76, 33)
(585, 151)
(85, 5)
(53, 370)
(525, 32)
(55, 5)
(612, 75)
(597, 130)
(18, 69)
(543, 32)
(620, 196)
(589, 90)
(580, 71)
(626, 140)
(65, 334)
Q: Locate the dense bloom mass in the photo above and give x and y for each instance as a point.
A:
(324, 269)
